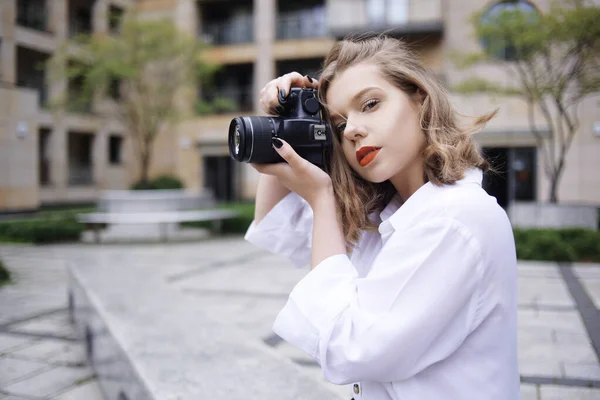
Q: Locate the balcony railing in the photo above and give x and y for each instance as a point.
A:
(310, 23)
(229, 32)
(32, 14)
(80, 175)
(223, 100)
(36, 83)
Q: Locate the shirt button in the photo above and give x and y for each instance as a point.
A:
(356, 388)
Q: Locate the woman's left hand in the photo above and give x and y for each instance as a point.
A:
(299, 175)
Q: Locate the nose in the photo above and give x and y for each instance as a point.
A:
(354, 131)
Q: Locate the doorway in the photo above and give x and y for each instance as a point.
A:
(515, 176)
(221, 176)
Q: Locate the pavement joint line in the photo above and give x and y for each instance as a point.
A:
(42, 314)
(547, 307)
(587, 310)
(31, 374)
(38, 335)
(49, 361)
(23, 396)
(206, 268)
(239, 293)
(567, 382)
(305, 363)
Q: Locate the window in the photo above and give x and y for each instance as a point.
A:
(115, 144)
(387, 12)
(115, 15)
(496, 15)
(114, 89)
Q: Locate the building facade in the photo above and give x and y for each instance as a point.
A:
(56, 158)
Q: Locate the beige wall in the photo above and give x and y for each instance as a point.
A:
(580, 182)
(19, 175)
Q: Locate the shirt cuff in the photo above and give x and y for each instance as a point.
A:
(285, 230)
(316, 302)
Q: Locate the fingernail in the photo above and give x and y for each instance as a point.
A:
(277, 142)
(309, 79)
(282, 93)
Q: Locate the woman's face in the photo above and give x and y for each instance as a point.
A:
(378, 125)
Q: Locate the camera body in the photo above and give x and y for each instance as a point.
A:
(299, 123)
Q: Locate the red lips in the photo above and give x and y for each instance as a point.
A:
(366, 154)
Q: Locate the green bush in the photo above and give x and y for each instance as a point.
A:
(163, 182)
(557, 244)
(238, 225)
(4, 274)
(50, 230)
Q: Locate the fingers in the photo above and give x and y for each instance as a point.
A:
(269, 94)
(289, 155)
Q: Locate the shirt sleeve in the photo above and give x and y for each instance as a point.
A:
(285, 230)
(414, 308)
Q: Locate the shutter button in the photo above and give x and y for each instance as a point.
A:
(356, 389)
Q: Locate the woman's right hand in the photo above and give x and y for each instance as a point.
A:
(268, 95)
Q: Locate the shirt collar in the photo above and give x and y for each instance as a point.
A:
(396, 213)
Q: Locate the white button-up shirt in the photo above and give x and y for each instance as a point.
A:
(425, 308)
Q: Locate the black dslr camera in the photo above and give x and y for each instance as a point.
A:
(299, 123)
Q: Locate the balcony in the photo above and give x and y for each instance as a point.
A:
(32, 14)
(411, 19)
(229, 32)
(226, 23)
(226, 100)
(31, 72)
(302, 24)
(80, 146)
(79, 17)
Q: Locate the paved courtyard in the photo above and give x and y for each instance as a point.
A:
(41, 358)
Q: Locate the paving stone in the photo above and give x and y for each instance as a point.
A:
(50, 382)
(582, 371)
(551, 392)
(52, 350)
(543, 352)
(11, 370)
(529, 392)
(592, 287)
(45, 326)
(544, 292)
(565, 321)
(12, 342)
(88, 391)
(587, 270)
(538, 269)
(549, 369)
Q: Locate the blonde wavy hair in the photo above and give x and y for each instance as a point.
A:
(449, 149)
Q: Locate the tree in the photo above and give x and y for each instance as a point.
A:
(554, 60)
(144, 68)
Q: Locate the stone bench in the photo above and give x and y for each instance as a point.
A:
(147, 340)
(162, 208)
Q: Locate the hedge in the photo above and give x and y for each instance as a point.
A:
(161, 183)
(238, 225)
(564, 245)
(558, 244)
(48, 230)
(4, 274)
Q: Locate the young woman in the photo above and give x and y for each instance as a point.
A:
(412, 293)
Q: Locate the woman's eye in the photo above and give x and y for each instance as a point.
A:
(370, 104)
(339, 129)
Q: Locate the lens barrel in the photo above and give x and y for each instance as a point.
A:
(250, 139)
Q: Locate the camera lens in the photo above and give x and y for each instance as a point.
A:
(250, 139)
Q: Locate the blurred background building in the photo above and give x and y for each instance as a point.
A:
(50, 158)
